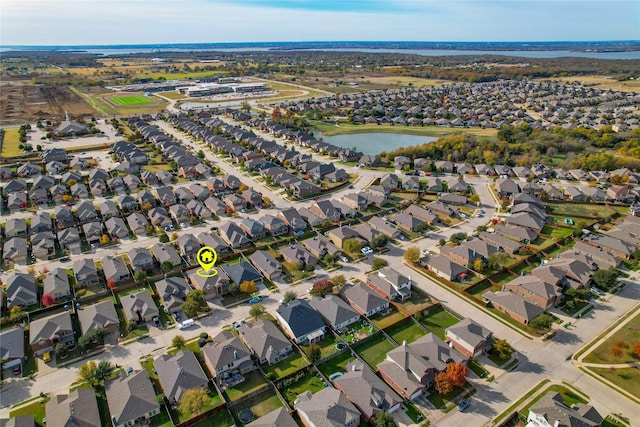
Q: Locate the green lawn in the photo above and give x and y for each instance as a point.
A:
(385, 320)
(502, 278)
(161, 420)
(497, 359)
(261, 404)
(579, 209)
(327, 345)
(10, 143)
(629, 334)
(336, 364)
(438, 320)
(130, 100)
(309, 382)
(36, 408)
(477, 368)
(293, 363)
(375, 350)
(252, 381)
(214, 401)
(406, 331)
(219, 419)
(440, 400)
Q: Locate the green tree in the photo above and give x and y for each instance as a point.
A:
(194, 303)
(163, 238)
(442, 242)
(502, 348)
(385, 419)
(456, 238)
(379, 263)
(379, 241)
(87, 373)
(541, 321)
(178, 342)
(139, 275)
(193, 401)
(352, 246)
(338, 281)
(605, 279)
(166, 266)
(289, 296)
(315, 352)
(256, 311)
(60, 350)
(103, 371)
(412, 254)
(497, 260)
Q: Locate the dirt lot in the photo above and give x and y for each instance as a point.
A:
(20, 103)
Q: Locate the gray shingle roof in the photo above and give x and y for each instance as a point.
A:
(76, 409)
(130, 397)
(327, 408)
(301, 317)
(333, 309)
(179, 373)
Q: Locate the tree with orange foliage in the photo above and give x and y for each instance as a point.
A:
(616, 351)
(636, 349)
(443, 383)
(457, 373)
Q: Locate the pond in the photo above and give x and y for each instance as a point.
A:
(374, 143)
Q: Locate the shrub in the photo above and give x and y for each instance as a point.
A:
(202, 342)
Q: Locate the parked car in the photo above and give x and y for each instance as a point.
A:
(366, 250)
(17, 370)
(156, 321)
(236, 325)
(254, 300)
(463, 405)
(64, 259)
(176, 316)
(344, 258)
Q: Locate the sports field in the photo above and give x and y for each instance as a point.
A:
(131, 100)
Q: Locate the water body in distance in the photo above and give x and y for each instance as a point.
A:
(374, 143)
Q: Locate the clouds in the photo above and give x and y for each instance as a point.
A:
(82, 22)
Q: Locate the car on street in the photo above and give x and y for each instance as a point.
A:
(254, 300)
(236, 325)
(64, 259)
(214, 228)
(462, 406)
(366, 250)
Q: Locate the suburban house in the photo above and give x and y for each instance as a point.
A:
(21, 290)
(131, 399)
(513, 305)
(319, 247)
(385, 227)
(166, 253)
(86, 272)
(328, 407)
(188, 245)
(411, 368)
(279, 417)
(139, 307)
(242, 272)
(407, 222)
(56, 283)
(47, 332)
(335, 311)
(116, 228)
(43, 245)
(292, 219)
(366, 390)
(469, 338)
(179, 373)
(12, 350)
(551, 411)
(365, 300)
(227, 359)
(274, 225)
(78, 408)
(138, 223)
(234, 235)
(298, 255)
(503, 244)
(340, 234)
(173, 292)
(301, 322)
(265, 341)
(266, 264)
(212, 287)
(253, 229)
(390, 284)
(421, 214)
(15, 250)
(99, 315)
(214, 241)
(535, 291)
(114, 269)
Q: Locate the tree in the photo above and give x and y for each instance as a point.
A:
(174, 237)
(84, 341)
(194, 303)
(15, 310)
(163, 238)
(412, 254)
(289, 296)
(48, 299)
(616, 351)
(379, 241)
(497, 260)
(478, 265)
(105, 239)
(320, 288)
(457, 373)
(385, 419)
(111, 283)
(200, 154)
(103, 371)
(442, 242)
(605, 279)
(378, 263)
(443, 383)
(257, 310)
(315, 352)
(248, 287)
(87, 372)
(352, 246)
(542, 321)
(502, 348)
(166, 266)
(338, 281)
(193, 401)
(456, 238)
(636, 349)
(139, 275)
(178, 342)
(61, 350)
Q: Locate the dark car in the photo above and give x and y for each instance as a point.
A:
(65, 259)
(156, 321)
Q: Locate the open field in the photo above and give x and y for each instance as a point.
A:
(345, 128)
(129, 100)
(624, 339)
(173, 95)
(602, 82)
(406, 81)
(11, 142)
(580, 209)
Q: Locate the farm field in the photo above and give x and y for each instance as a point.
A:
(130, 100)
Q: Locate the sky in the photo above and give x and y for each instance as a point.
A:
(108, 22)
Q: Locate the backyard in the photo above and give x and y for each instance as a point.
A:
(260, 404)
(309, 382)
(213, 402)
(385, 320)
(327, 346)
(219, 419)
(416, 302)
(437, 320)
(357, 331)
(406, 331)
(336, 364)
(287, 366)
(374, 350)
(252, 381)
